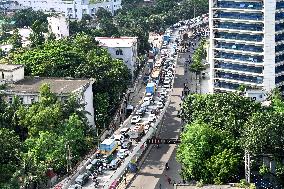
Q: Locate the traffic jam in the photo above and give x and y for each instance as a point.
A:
(113, 150)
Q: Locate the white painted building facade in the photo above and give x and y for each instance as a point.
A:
(124, 48)
(74, 9)
(59, 26)
(246, 44)
(27, 88)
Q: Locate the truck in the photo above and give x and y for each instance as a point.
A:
(150, 88)
(137, 131)
(108, 146)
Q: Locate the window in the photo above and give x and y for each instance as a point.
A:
(32, 100)
(10, 100)
(21, 100)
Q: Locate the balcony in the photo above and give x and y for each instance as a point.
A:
(239, 16)
(244, 58)
(240, 26)
(239, 78)
(236, 36)
(240, 47)
(238, 67)
(239, 5)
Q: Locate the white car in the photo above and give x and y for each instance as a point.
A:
(167, 82)
(147, 99)
(160, 105)
(167, 86)
(135, 119)
(167, 79)
(152, 118)
(149, 95)
(122, 153)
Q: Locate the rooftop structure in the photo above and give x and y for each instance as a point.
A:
(116, 42)
(246, 44)
(27, 88)
(57, 85)
(124, 48)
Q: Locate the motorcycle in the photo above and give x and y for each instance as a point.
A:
(167, 166)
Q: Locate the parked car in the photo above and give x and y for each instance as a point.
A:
(135, 119)
(126, 145)
(75, 186)
(114, 164)
(122, 153)
(82, 179)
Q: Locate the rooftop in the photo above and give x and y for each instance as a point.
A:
(10, 67)
(57, 85)
(116, 42)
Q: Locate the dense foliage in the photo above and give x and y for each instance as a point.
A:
(219, 128)
(35, 138)
(78, 57)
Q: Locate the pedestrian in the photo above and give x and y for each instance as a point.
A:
(169, 180)
(160, 187)
(125, 181)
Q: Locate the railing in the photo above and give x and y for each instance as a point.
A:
(240, 16)
(236, 36)
(241, 47)
(238, 77)
(240, 26)
(239, 67)
(240, 5)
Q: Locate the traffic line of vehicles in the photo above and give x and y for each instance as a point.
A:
(114, 150)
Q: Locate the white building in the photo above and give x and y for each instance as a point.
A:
(59, 26)
(27, 88)
(74, 9)
(246, 44)
(124, 48)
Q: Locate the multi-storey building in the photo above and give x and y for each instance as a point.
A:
(27, 88)
(123, 48)
(246, 44)
(74, 9)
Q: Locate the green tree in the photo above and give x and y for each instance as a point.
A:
(200, 153)
(9, 154)
(264, 134)
(197, 65)
(36, 37)
(26, 18)
(16, 39)
(227, 112)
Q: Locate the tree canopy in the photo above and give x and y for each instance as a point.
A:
(221, 127)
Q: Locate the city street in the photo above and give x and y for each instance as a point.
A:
(152, 172)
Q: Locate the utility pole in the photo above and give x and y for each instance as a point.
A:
(68, 158)
(247, 166)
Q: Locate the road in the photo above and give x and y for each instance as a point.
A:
(152, 172)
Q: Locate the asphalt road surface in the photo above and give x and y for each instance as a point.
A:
(152, 174)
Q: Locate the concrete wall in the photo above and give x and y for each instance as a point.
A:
(89, 107)
(211, 53)
(13, 76)
(59, 26)
(129, 56)
(269, 45)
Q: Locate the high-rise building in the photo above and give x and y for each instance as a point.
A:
(246, 44)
